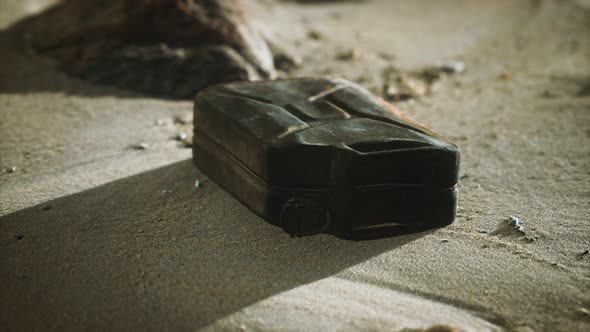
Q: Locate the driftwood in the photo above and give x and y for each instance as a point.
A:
(170, 48)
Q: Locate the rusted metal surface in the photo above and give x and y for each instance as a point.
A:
(324, 155)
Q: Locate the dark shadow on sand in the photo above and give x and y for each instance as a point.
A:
(152, 252)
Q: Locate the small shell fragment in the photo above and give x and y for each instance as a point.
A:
(516, 223)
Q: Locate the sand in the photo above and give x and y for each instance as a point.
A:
(97, 235)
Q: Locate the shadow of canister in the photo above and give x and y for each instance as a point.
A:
(151, 251)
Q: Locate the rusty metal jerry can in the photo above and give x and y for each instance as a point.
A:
(324, 155)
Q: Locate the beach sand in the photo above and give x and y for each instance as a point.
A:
(97, 235)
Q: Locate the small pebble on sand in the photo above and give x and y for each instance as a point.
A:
(505, 76)
(454, 67)
(393, 93)
(198, 184)
(141, 146)
(188, 141)
(549, 94)
(314, 34)
(386, 56)
(180, 137)
(159, 123)
(11, 169)
(390, 91)
(350, 54)
(46, 207)
(183, 119)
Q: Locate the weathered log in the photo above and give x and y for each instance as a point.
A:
(171, 48)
